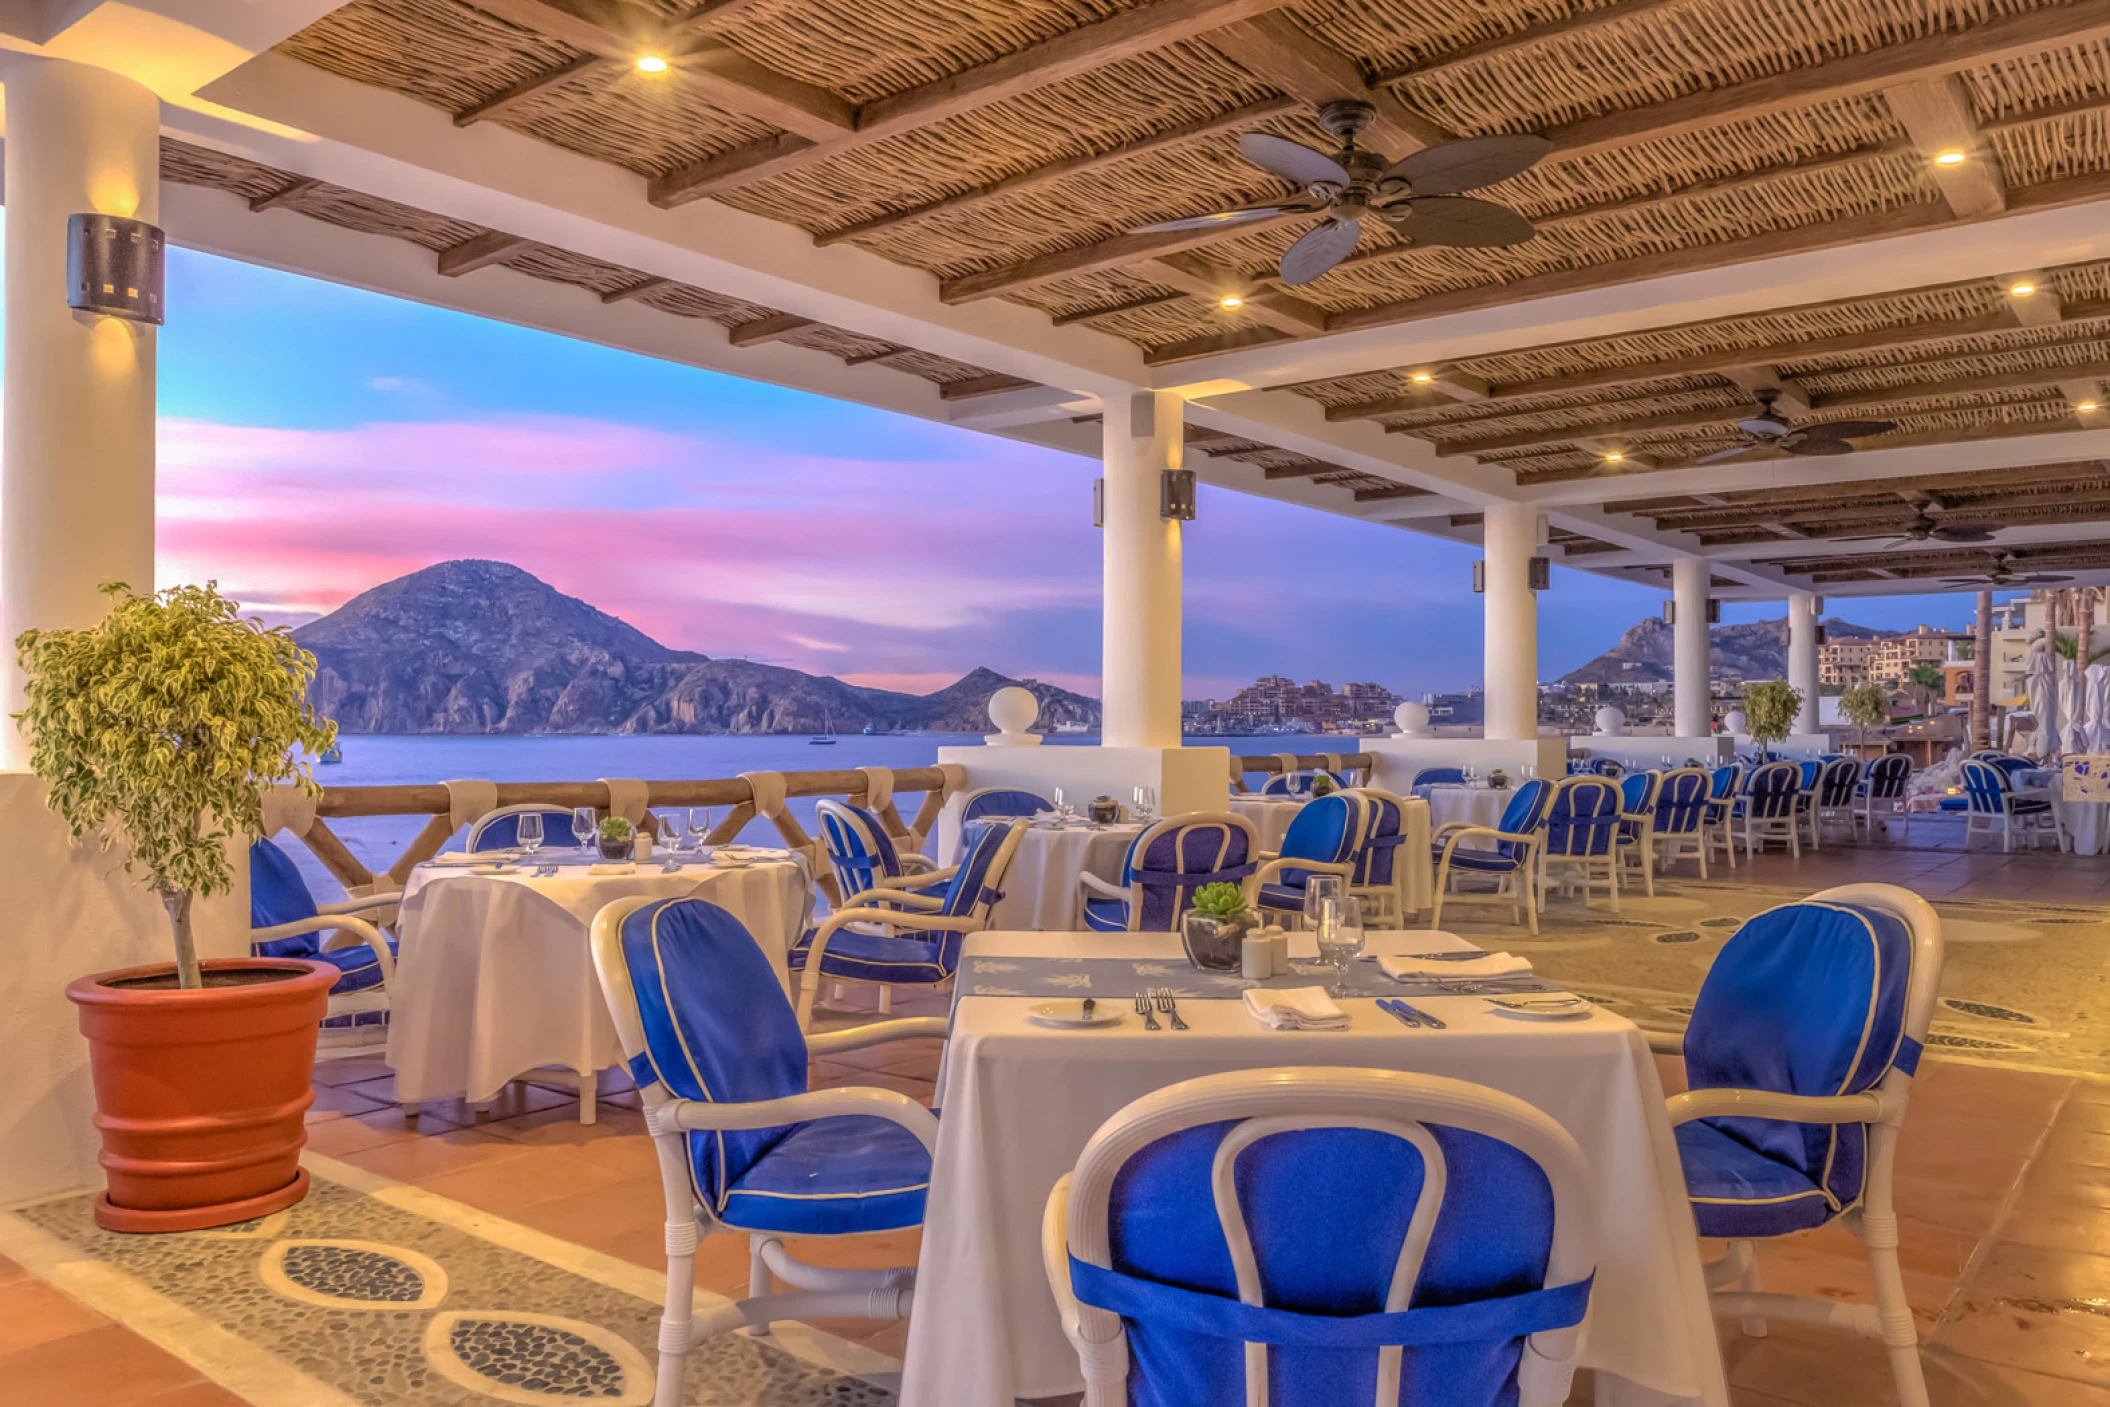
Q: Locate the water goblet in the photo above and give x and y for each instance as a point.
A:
(1062, 810)
(528, 831)
(584, 826)
(699, 827)
(1319, 888)
(673, 831)
(1150, 803)
(1340, 937)
(1135, 803)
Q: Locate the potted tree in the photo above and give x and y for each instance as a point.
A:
(155, 731)
(1865, 707)
(1769, 712)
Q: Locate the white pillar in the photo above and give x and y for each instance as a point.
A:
(1509, 540)
(1691, 648)
(1141, 631)
(1803, 609)
(77, 507)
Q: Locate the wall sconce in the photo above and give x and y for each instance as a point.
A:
(115, 266)
(1537, 577)
(1098, 503)
(1714, 612)
(1176, 495)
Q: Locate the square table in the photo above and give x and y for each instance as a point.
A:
(1020, 1101)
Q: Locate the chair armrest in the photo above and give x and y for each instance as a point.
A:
(894, 919)
(344, 931)
(1276, 866)
(1665, 1042)
(908, 898)
(358, 906)
(1767, 1104)
(914, 863)
(1448, 826)
(1094, 885)
(682, 1115)
(1459, 831)
(908, 1028)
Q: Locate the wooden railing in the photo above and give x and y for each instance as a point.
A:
(434, 802)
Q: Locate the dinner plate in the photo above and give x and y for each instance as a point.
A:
(731, 862)
(1547, 1008)
(1071, 1013)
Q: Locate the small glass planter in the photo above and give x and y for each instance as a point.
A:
(614, 848)
(1215, 944)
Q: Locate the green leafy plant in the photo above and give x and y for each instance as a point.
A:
(1924, 679)
(1322, 785)
(1498, 779)
(1223, 902)
(615, 828)
(1769, 710)
(2067, 645)
(1865, 707)
(159, 726)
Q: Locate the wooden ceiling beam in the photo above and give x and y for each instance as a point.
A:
(2051, 376)
(1937, 115)
(490, 247)
(1277, 50)
(530, 88)
(1151, 300)
(774, 328)
(1389, 491)
(637, 290)
(1196, 276)
(1139, 29)
(1663, 508)
(285, 193)
(1916, 440)
(1673, 420)
(1567, 27)
(1251, 115)
(995, 383)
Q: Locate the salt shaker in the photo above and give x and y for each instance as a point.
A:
(1278, 950)
(1256, 958)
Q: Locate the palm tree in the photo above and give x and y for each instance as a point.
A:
(1925, 679)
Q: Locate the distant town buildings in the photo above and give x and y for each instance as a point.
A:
(1276, 702)
(1853, 661)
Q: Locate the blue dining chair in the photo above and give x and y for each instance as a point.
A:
(286, 922)
(1886, 789)
(1323, 838)
(1204, 1250)
(500, 829)
(1297, 783)
(1582, 828)
(1000, 801)
(1838, 781)
(1380, 879)
(1989, 795)
(1166, 862)
(1438, 776)
(721, 1064)
(861, 853)
(1725, 786)
(1509, 854)
(1799, 1060)
(1770, 808)
(1635, 844)
(1679, 819)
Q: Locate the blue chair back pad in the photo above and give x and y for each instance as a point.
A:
(1771, 794)
(1889, 775)
(1837, 782)
(1634, 790)
(1382, 826)
(1726, 781)
(1584, 817)
(1431, 776)
(972, 885)
(1001, 802)
(1524, 814)
(1807, 998)
(277, 894)
(717, 1026)
(1328, 829)
(1681, 803)
(1986, 786)
(504, 832)
(1197, 848)
(859, 848)
(1492, 1238)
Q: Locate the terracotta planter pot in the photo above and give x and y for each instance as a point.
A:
(201, 1096)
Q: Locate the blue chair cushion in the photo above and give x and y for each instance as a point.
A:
(360, 968)
(1106, 915)
(278, 894)
(1281, 896)
(1483, 861)
(2028, 806)
(1955, 803)
(878, 957)
(831, 1176)
(1738, 1191)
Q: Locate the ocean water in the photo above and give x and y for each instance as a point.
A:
(396, 759)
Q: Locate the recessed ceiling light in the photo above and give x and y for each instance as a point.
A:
(2085, 406)
(2021, 290)
(1949, 158)
(1613, 456)
(1230, 300)
(1423, 378)
(651, 63)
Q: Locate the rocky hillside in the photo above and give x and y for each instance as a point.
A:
(484, 647)
(1758, 650)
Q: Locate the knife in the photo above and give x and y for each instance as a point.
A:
(1088, 1005)
(1418, 1014)
(1393, 1010)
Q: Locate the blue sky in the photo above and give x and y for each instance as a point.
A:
(317, 440)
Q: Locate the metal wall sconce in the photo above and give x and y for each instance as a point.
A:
(115, 266)
(1714, 612)
(1098, 503)
(1538, 577)
(1176, 495)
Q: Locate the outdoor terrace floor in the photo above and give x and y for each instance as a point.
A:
(2004, 1191)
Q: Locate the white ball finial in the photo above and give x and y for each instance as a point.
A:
(1013, 710)
(1611, 721)
(1735, 723)
(1412, 718)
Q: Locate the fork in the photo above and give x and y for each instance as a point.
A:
(1150, 1021)
(1170, 1007)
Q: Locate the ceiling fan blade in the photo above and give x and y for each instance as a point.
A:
(1963, 534)
(1803, 444)
(2033, 581)
(1721, 454)
(1889, 539)
(1319, 250)
(1244, 215)
(1848, 429)
(1292, 161)
(1463, 222)
(1765, 427)
(1469, 164)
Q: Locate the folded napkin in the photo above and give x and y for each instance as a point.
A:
(1492, 965)
(469, 857)
(1295, 1009)
(622, 868)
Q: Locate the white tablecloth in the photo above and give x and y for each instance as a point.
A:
(1041, 889)
(1478, 806)
(1270, 816)
(495, 977)
(1021, 1100)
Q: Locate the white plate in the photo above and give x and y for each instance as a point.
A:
(1071, 1013)
(730, 862)
(1542, 1008)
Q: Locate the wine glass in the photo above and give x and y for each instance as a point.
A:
(583, 826)
(528, 831)
(673, 831)
(1135, 803)
(699, 827)
(1150, 803)
(1318, 889)
(1340, 937)
(1062, 810)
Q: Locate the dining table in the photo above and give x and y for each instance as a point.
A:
(1021, 1099)
(1474, 806)
(495, 976)
(1042, 891)
(1270, 816)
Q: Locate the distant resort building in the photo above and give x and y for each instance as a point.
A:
(1274, 701)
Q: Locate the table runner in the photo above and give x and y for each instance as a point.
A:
(1118, 979)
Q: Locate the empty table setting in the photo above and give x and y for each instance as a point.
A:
(1029, 1075)
(495, 976)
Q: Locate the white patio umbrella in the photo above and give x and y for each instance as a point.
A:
(2073, 708)
(2040, 682)
(2098, 694)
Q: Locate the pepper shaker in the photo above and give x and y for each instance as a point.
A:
(1256, 960)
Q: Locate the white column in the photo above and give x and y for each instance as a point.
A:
(1691, 652)
(1141, 663)
(77, 507)
(1509, 540)
(1803, 609)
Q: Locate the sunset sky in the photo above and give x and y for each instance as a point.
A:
(318, 440)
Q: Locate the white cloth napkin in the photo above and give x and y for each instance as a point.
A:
(1493, 965)
(1295, 1009)
(622, 868)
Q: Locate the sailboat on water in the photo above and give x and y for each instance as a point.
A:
(822, 738)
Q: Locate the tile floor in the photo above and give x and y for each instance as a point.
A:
(2004, 1189)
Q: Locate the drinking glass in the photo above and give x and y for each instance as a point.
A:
(1062, 810)
(529, 831)
(699, 826)
(1340, 937)
(1150, 803)
(672, 831)
(1135, 803)
(583, 826)
(1318, 889)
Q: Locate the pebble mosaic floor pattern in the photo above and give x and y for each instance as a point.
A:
(382, 1306)
(2023, 983)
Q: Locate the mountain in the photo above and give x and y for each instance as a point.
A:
(1758, 650)
(484, 647)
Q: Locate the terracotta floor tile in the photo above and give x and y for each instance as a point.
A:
(33, 1312)
(2079, 1182)
(617, 1211)
(107, 1367)
(1799, 1268)
(560, 1124)
(11, 1272)
(341, 1099)
(340, 1136)
(1808, 1366)
(352, 1070)
(510, 1102)
(2040, 1310)
(1954, 1381)
(2070, 1144)
(416, 1159)
(199, 1394)
(505, 1185)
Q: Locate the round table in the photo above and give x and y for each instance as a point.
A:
(1041, 889)
(1477, 806)
(495, 976)
(1270, 816)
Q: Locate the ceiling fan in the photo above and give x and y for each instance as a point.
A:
(2002, 575)
(1769, 429)
(1419, 195)
(1925, 527)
